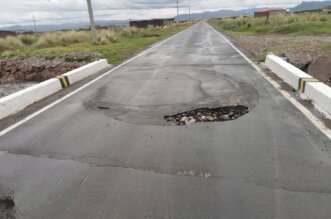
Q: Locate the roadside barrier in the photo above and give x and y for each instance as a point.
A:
(15, 102)
(309, 87)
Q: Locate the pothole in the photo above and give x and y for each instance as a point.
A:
(7, 208)
(220, 114)
(142, 99)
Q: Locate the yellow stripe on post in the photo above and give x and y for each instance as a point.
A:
(64, 80)
(303, 81)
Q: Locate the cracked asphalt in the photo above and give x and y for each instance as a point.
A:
(106, 152)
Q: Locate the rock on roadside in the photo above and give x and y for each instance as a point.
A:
(321, 69)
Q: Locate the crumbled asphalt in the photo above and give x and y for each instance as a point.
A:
(219, 114)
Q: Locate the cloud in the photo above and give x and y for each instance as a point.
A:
(55, 11)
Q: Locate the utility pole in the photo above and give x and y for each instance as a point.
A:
(189, 10)
(34, 23)
(93, 30)
(177, 12)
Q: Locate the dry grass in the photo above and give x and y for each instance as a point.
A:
(11, 43)
(62, 38)
(28, 39)
(126, 32)
(114, 43)
(300, 24)
(107, 36)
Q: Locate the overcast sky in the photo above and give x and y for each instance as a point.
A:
(14, 12)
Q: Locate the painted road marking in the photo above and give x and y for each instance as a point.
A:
(64, 80)
(303, 81)
(317, 122)
(33, 115)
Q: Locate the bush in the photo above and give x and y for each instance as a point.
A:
(62, 38)
(107, 36)
(10, 43)
(72, 36)
(129, 31)
(28, 39)
(291, 19)
(47, 40)
(314, 17)
(126, 32)
(323, 19)
(135, 30)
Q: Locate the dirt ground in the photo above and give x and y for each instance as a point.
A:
(17, 73)
(301, 51)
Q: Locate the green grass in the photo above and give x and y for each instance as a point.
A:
(290, 24)
(115, 44)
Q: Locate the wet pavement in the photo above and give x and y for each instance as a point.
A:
(108, 152)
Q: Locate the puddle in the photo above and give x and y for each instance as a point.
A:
(220, 114)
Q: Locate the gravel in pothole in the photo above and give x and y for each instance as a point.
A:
(219, 114)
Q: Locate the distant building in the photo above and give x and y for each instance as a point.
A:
(151, 23)
(327, 9)
(270, 12)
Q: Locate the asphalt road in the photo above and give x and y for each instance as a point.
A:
(76, 160)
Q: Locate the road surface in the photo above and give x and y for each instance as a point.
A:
(106, 151)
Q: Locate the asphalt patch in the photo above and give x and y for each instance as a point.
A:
(220, 114)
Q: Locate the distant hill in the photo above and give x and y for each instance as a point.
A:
(62, 26)
(224, 13)
(221, 13)
(311, 6)
(204, 15)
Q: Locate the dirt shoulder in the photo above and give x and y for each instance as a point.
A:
(311, 54)
(17, 73)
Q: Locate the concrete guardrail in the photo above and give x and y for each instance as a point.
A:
(311, 88)
(15, 102)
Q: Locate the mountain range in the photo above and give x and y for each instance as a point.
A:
(311, 6)
(204, 15)
(224, 13)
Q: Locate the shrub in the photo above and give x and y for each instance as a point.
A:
(107, 36)
(72, 36)
(291, 19)
(14, 43)
(314, 17)
(323, 19)
(47, 40)
(28, 39)
(62, 38)
(135, 30)
(10, 43)
(126, 32)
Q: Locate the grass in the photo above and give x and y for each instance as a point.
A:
(114, 44)
(289, 24)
